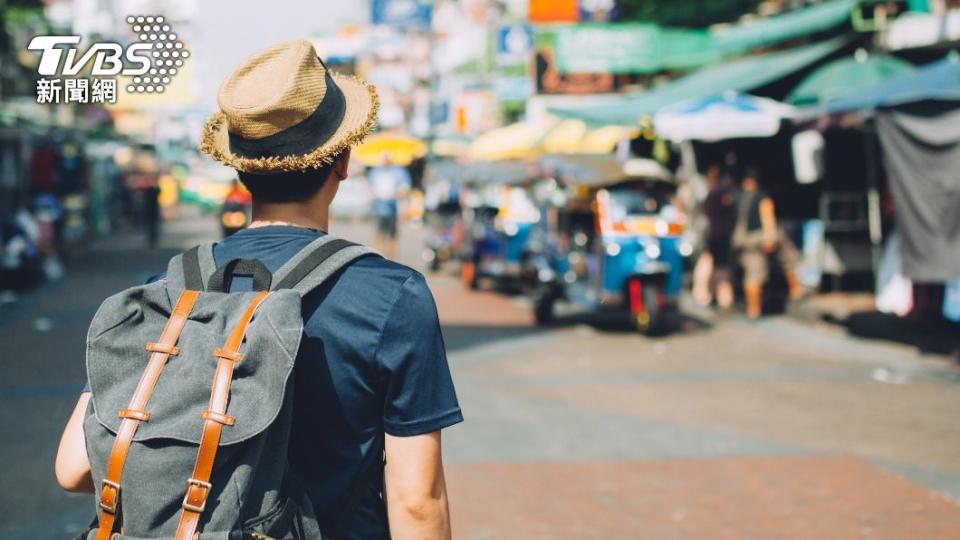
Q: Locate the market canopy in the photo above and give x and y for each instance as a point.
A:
(939, 81)
(846, 77)
(741, 75)
(729, 116)
(494, 173)
(600, 170)
(799, 23)
(582, 168)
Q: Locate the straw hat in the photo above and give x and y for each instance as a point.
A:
(282, 110)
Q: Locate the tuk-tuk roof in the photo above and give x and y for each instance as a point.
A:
(600, 170)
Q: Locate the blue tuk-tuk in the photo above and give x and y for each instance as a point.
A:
(612, 239)
(498, 215)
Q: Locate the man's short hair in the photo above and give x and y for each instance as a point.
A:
(289, 186)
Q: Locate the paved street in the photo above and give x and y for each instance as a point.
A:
(726, 429)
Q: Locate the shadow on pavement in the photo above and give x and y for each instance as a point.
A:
(929, 336)
(618, 322)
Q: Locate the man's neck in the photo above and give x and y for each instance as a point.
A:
(310, 215)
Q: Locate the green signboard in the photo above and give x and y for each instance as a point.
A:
(628, 48)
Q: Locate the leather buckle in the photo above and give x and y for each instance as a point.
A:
(108, 503)
(196, 501)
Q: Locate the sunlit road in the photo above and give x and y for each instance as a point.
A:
(731, 430)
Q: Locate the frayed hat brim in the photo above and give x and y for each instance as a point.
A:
(362, 105)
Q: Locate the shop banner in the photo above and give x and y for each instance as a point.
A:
(626, 48)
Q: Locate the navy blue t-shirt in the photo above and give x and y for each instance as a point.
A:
(372, 360)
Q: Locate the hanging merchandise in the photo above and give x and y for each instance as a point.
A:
(894, 290)
(922, 156)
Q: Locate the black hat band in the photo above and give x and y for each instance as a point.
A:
(301, 138)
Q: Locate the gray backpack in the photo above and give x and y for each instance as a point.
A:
(192, 386)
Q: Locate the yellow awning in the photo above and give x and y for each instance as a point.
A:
(565, 137)
(525, 140)
(604, 140)
(401, 149)
(516, 141)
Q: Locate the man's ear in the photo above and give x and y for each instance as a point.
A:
(341, 166)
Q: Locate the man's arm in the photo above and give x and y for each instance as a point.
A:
(72, 466)
(416, 490)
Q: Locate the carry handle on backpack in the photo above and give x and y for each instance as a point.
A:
(221, 279)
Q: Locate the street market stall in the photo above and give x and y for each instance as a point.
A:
(916, 118)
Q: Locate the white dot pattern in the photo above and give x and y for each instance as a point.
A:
(168, 51)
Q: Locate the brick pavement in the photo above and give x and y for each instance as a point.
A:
(733, 498)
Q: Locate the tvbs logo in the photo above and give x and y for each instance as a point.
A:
(107, 58)
(151, 62)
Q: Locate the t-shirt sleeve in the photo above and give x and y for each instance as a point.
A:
(420, 397)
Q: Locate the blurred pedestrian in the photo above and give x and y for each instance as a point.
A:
(714, 266)
(390, 183)
(146, 177)
(757, 236)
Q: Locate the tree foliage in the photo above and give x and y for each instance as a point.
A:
(689, 13)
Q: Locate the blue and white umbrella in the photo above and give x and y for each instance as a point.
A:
(730, 116)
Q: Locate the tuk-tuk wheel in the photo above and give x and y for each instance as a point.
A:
(543, 308)
(648, 316)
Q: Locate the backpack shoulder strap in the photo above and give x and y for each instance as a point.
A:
(192, 269)
(321, 259)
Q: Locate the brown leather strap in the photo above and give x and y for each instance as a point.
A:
(198, 486)
(136, 412)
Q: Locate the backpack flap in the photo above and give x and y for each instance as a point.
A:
(116, 358)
